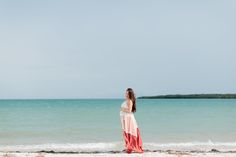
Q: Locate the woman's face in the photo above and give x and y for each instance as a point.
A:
(126, 94)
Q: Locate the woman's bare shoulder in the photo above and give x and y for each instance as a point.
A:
(129, 102)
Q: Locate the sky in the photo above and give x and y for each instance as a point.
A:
(97, 49)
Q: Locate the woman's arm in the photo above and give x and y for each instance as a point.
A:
(129, 109)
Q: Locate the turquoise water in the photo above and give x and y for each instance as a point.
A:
(27, 122)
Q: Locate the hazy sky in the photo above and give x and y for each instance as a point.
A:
(98, 48)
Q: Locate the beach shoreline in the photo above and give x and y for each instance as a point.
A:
(118, 154)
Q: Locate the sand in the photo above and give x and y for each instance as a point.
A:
(146, 154)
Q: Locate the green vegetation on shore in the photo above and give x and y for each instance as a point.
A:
(191, 96)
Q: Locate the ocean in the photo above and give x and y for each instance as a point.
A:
(93, 125)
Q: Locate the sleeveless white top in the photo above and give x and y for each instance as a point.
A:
(124, 105)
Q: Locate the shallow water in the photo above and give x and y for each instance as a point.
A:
(163, 123)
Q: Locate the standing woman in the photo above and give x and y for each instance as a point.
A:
(131, 133)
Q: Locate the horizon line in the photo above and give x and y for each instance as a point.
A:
(106, 97)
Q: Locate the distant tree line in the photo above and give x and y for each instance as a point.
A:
(191, 96)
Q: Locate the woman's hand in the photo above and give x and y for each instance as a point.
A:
(125, 109)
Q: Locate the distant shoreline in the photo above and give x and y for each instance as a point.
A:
(191, 96)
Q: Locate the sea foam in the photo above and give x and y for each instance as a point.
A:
(116, 147)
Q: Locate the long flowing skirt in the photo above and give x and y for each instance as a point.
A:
(131, 133)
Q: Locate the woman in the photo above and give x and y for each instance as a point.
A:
(131, 134)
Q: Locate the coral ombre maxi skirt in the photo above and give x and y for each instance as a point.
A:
(131, 133)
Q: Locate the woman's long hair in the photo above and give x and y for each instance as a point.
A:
(131, 96)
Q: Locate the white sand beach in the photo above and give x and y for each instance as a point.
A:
(148, 154)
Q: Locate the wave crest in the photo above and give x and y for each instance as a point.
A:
(116, 147)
